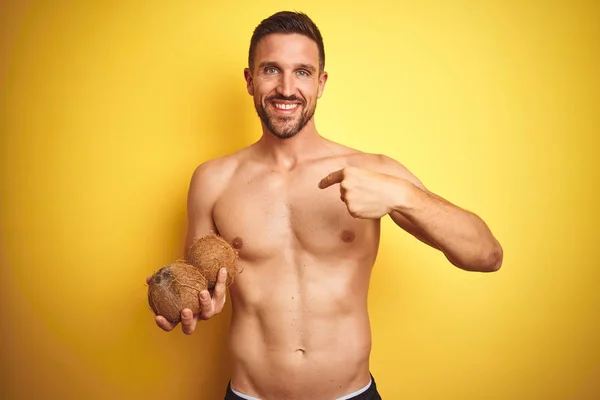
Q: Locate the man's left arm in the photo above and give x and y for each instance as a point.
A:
(463, 237)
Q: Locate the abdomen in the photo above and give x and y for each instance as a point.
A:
(300, 328)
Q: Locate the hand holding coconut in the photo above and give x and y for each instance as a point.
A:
(208, 307)
(181, 292)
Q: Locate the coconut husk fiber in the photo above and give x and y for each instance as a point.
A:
(173, 288)
(209, 254)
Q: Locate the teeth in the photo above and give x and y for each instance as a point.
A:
(285, 106)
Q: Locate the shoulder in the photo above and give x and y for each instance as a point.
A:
(211, 177)
(384, 164)
(214, 169)
(375, 162)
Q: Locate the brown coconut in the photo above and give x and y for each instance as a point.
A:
(173, 288)
(209, 254)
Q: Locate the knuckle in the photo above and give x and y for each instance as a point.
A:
(205, 302)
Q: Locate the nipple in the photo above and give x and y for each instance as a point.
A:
(348, 236)
(237, 243)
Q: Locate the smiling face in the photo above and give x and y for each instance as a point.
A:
(285, 82)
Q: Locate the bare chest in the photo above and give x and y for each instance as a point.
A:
(271, 214)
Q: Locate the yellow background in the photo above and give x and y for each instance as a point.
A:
(106, 108)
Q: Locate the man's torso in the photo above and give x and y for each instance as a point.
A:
(300, 321)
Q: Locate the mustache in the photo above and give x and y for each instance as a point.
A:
(284, 98)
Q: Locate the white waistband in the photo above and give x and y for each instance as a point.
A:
(346, 397)
(244, 396)
(359, 391)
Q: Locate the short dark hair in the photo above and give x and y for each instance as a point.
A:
(287, 22)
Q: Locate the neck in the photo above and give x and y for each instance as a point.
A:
(286, 153)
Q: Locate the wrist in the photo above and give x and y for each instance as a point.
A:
(406, 198)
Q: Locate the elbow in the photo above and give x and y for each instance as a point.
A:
(492, 266)
(489, 260)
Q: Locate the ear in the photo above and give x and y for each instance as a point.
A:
(322, 80)
(248, 78)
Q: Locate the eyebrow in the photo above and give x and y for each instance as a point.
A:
(308, 67)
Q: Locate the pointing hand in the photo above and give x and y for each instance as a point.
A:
(367, 194)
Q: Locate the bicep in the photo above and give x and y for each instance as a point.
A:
(201, 199)
(389, 166)
(398, 170)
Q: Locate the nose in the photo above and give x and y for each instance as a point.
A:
(286, 85)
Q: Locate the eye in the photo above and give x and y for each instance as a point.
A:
(303, 73)
(270, 70)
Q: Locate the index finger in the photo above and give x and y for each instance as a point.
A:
(332, 178)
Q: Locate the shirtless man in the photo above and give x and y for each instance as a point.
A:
(305, 214)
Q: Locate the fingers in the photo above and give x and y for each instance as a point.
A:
(332, 179)
(206, 305)
(188, 322)
(209, 307)
(164, 324)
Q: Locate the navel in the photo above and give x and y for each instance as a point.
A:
(347, 236)
(237, 243)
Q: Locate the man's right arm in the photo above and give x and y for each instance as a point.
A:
(207, 183)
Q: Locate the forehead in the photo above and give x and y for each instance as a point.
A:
(287, 48)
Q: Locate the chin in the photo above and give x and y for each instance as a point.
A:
(282, 132)
(284, 136)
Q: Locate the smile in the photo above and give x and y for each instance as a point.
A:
(282, 106)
